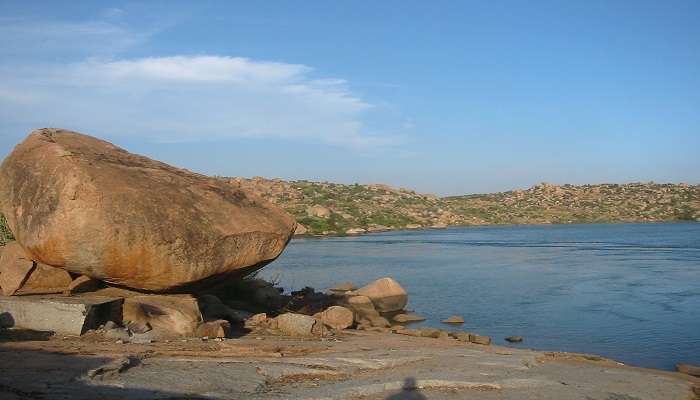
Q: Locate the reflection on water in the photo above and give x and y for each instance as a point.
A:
(626, 291)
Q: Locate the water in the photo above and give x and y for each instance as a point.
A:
(630, 292)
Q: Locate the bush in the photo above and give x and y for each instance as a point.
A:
(5, 233)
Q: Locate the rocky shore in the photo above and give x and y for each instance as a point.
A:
(124, 277)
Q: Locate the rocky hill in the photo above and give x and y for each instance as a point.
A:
(324, 208)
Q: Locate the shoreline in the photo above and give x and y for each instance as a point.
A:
(428, 228)
(367, 365)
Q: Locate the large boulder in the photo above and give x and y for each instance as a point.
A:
(79, 203)
(386, 295)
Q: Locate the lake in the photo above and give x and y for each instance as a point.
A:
(630, 292)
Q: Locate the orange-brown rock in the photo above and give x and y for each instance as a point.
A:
(44, 279)
(85, 205)
(169, 316)
(15, 266)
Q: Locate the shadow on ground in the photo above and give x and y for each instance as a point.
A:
(409, 391)
(34, 375)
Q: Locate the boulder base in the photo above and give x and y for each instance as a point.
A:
(85, 205)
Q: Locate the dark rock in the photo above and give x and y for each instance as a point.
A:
(514, 339)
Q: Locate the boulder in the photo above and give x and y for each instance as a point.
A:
(453, 320)
(44, 279)
(336, 317)
(298, 325)
(386, 295)
(361, 306)
(79, 203)
(15, 266)
(169, 316)
(514, 339)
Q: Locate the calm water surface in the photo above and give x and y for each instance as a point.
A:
(630, 292)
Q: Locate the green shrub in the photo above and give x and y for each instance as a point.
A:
(5, 233)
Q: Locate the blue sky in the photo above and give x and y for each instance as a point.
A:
(442, 97)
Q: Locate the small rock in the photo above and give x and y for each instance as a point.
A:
(139, 326)
(118, 333)
(514, 339)
(688, 369)
(461, 336)
(379, 322)
(430, 332)
(407, 318)
(408, 332)
(141, 339)
(478, 339)
(336, 317)
(455, 319)
(109, 325)
(443, 335)
(214, 329)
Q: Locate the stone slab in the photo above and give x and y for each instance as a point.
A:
(65, 315)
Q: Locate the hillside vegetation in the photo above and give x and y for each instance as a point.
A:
(324, 208)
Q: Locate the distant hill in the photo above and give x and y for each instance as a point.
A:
(324, 208)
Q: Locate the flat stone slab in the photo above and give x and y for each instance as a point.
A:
(65, 315)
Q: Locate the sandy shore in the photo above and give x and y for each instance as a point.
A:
(354, 365)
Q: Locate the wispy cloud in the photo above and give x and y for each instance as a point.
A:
(76, 75)
(193, 98)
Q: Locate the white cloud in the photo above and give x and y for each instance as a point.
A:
(185, 98)
(40, 38)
